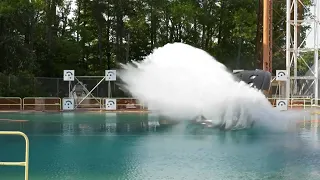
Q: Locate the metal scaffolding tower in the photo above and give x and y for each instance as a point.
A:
(294, 45)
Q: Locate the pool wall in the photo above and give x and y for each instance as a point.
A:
(56, 104)
(99, 104)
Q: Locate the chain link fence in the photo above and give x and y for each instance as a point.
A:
(24, 86)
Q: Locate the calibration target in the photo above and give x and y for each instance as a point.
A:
(111, 75)
(282, 105)
(281, 75)
(68, 75)
(111, 104)
(68, 104)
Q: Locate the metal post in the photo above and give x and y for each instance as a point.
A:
(270, 35)
(316, 65)
(109, 89)
(70, 89)
(288, 56)
(295, 45)
(266, 35)
(58, 87)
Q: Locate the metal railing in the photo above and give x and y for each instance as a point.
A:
(11, 101)
(296, 102)
(300, 103)
(24, 163)
(100, 102)
(89, 102)
(133, 105)
(41, 102)
(55, 103)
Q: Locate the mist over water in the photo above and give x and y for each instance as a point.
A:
(181, 82)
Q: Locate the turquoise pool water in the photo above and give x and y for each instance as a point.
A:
(100, 146)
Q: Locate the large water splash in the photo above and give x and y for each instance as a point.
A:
(182, 82)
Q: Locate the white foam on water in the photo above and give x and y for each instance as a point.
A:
(182, 82)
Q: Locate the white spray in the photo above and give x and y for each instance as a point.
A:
(182, 82)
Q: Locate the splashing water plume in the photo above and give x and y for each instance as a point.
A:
(182, 82)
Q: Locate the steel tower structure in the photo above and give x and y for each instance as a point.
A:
(294, 45)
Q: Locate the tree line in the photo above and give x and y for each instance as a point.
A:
(44, 37)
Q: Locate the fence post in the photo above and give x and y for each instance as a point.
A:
(34, 85)
(57, 88)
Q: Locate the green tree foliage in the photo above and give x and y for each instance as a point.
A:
(43, 37)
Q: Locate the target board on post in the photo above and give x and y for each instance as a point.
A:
(68, 75)
(111, 104)
(68, 104)
(111, 75)
(281, 75)
(282, 104)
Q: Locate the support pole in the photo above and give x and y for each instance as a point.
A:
(266, 35)
(270, 34)
(69, 84)
(316, 61)
(109, 89)
(295, 45)
(288, 53)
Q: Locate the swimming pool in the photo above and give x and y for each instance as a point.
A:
(100, 146)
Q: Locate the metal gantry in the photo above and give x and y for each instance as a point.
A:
(295, 46)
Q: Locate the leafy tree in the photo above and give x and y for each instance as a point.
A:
(42, 38)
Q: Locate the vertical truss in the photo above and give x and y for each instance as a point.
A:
(295, 46)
